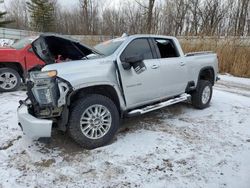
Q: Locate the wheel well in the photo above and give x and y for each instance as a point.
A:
(13, 65)
(104, 90)
(207, 74)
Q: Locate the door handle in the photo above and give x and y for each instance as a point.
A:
(154, 66)
(183, 63)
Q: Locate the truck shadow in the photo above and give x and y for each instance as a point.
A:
(66, 145)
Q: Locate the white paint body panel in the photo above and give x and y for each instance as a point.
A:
(33, 127)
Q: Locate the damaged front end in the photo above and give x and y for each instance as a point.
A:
(46, 102)
(47, 93)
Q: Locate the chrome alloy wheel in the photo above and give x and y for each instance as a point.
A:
(95, 121)
(206, 95)
(8, 80)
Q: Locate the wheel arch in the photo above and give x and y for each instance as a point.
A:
(207, 73)
(14, 65)
(104, 89)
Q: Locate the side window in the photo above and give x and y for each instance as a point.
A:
(166, 48)
(137, 47)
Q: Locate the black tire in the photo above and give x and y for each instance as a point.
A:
(197, 101)
(11, 85)
(79, 108)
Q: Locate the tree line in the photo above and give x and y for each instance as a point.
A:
(167, 17)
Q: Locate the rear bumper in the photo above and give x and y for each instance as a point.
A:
(31, 126)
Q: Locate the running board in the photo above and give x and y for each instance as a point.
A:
(150, 108)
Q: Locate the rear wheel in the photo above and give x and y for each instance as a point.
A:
(203, 94)
(94, 121)
(10, 80)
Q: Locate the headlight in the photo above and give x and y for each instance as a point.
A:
(44, 88)
(43, 95)
(43, 75)
(47, 94)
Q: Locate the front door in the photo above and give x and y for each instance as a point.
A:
(143, 87)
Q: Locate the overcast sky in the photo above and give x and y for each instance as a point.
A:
(112, 3)
(71, 4)
(64, 3)
(68, 4)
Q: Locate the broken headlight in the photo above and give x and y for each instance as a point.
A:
(44, 87)
(46, 95)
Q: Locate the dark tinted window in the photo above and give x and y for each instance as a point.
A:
(166, 48)
(137, 47)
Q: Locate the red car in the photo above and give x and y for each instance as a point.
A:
(15, 62)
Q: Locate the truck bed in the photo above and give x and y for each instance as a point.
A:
(198, 53)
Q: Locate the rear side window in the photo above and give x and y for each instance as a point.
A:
(166, 48)
(137, 47)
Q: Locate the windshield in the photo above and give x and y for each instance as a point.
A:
(109, 47)
(22, 43)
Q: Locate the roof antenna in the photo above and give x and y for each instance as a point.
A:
(125, 35)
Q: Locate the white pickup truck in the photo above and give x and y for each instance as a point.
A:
(89, 94)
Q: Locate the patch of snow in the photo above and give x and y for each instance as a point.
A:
(233, 79)
(233, 84)
(6, 42)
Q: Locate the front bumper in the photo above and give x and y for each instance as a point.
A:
(31, 126)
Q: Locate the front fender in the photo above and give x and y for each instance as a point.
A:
(103, 83)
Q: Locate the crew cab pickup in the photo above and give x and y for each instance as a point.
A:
(120, 78)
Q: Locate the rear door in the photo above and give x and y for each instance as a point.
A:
(173, 67)
(144, 87)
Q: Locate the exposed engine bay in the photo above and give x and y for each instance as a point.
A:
(54, 49)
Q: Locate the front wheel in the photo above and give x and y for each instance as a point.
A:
(203, 94)
(10, 80)
(93, 122)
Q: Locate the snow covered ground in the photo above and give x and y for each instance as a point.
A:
(174, 147)
(6, 42)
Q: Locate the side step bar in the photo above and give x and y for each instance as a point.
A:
(181, 98)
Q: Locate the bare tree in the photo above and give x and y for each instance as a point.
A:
(241, 16)
(150, 15)
(171, 17)
(194, 9)
(181, 8)
(17, 11)
(211, 14)
(85, 4)
(149, 12)
(89, 16)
